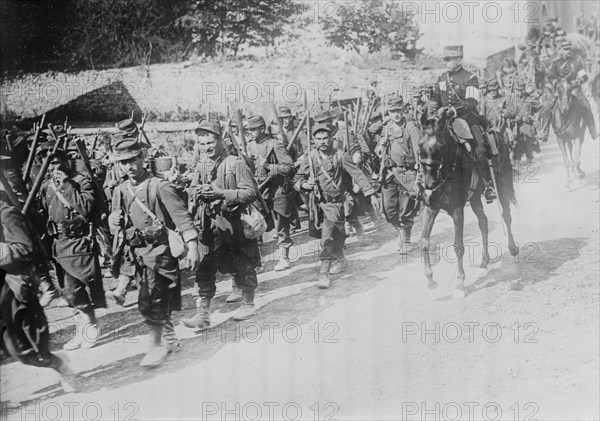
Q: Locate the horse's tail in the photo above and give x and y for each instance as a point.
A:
(506, 180)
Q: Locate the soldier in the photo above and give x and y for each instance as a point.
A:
(68, 199)
(289, 125)
(25, 330)
(143, 207)
(222, 188)
(398, 149)
(274, 172)
(525, 107)
(330, 171)
(457, 93)
(571, 68)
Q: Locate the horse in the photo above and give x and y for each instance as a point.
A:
(569, 126)
(448, 180)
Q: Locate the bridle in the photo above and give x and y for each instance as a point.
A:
(442, 176)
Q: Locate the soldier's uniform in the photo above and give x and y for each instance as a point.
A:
(69, 207)
(572, 69)
(333, 175)
(221, 230)
(275, 167)
(399, 149)
(525, 107)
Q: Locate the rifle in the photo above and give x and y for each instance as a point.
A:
(369, 114)
(315, 194)
(86, 162)
(141, 128)
(34, 145)
(238, 118)
(66, 123)
(357, 115)
(346, 134)
(95, 143)
(279, 123)
(297, 132)
(40, 177)
(208, 111)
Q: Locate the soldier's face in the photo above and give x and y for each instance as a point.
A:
(396, 116)
(133, 167)
(287, 122)
(452, 63)
(210, 144)
(322, 141)
(257, 132)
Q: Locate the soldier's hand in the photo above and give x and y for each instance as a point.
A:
(379, 150)
(357, 158)
(115, 219)
(192, 256)
(308, 185)
(376, 203)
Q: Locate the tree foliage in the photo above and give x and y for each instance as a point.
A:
(373, 24)
(73, 35)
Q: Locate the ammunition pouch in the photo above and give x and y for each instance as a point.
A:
(73, 228)
(147, 236)
(333, 198)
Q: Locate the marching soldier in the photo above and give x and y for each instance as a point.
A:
(144, 207)
(398, 149)
(288, 119)
(571, 68)
(68, 199)
(24, 325)
(222, 188)
(330, 172)
(274, 173)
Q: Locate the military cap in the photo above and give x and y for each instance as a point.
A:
(321, 128)
(256, 121)
(566, 45)
(209, 126)
(59, 154)
(453, 51)
(395, 104)
(128, 126)
(322, 116)
(284, 111)
(126, 148)
(493, 84)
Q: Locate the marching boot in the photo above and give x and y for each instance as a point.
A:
(358, 230)
(75, 342)
(49, 291)
(284, 259)
(200, 320)
(89, 329)
(235, 296)
(156, 353)
(246, 310)
(338, 266)
(68, 379)
(169, 337)
(400, 241)
(404, 239)
(324, 280)
(118, 295)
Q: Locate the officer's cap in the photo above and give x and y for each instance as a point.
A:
(453, 51)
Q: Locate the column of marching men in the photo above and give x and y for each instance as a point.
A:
(69, 209)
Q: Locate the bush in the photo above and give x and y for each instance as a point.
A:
(373, 24)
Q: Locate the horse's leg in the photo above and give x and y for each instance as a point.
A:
(477, 208)
(428, 219)
(577, 144)
(505, 203)
(566, 160)
(458, 216)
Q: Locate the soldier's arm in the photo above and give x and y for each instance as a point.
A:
(414, 135)
(177, 211)
(285, 165)
(303, 173)
(81, 194)
(17, 247)
(246, 190)
(358, 176)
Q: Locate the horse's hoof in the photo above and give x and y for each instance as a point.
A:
(432, 285)
(459, 293)
(580, 174)
(481, 273)
(514, 251)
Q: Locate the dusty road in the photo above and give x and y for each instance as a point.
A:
(522, 345)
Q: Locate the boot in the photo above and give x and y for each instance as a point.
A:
(404, 239)
(284, 259)
(490, 194)
(156, 353)
(349, 229)
(359, 231)
(86, 331)
(200, 320)
(235, 296)
(338, 266)
(169, 337)
(246, 310)
(68, 379)
(400, 242)
(49, 291)
(324, 280)
(118, 295)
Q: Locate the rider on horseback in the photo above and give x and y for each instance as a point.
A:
(457, 92)
(569, 67)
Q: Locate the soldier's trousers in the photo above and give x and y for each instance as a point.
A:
(23, 324)
(399, 209)
(333, 234)
(238, 259)
(158, 296)
(282, 226)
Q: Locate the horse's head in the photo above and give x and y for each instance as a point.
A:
(433, 147)
(563, 96)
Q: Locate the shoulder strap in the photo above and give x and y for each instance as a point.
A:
(325, 173)
(64, 200)
(144, 208)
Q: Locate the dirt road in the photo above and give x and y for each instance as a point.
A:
(522, 345)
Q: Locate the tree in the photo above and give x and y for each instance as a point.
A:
(373, 24)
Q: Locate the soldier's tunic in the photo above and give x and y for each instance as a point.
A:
(524, 110)
(157, 269)
(334, 174)
(273, 161)
(74, 247)
(400, 143)
(459, 89)
(229, 251)
(23, 324)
